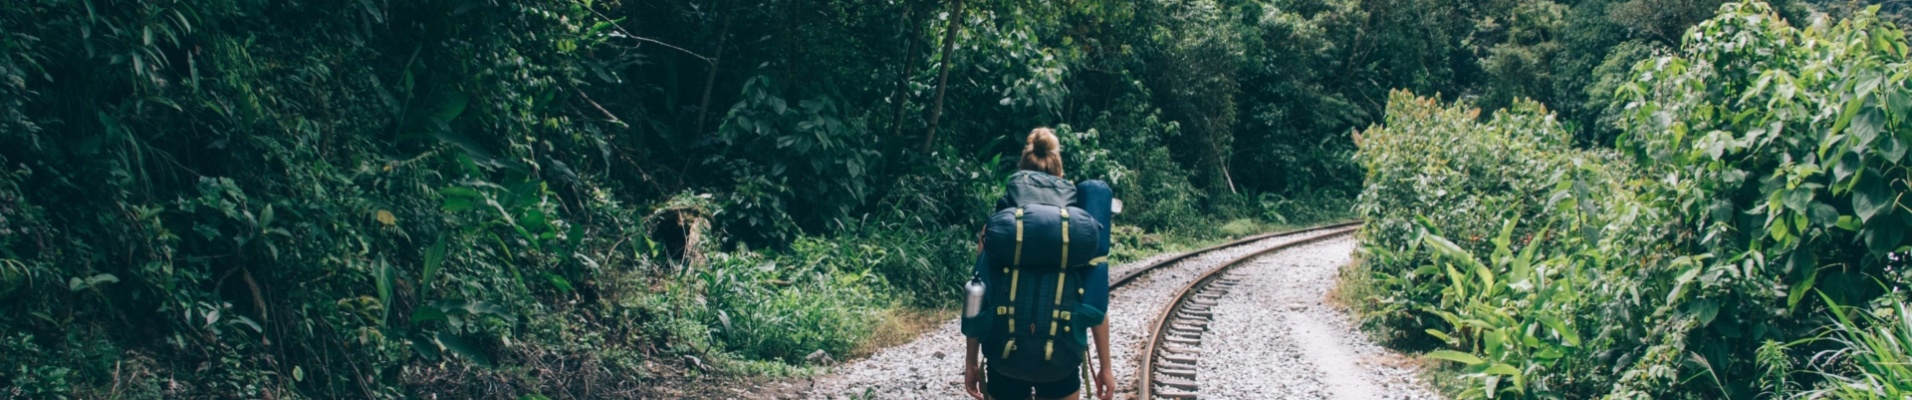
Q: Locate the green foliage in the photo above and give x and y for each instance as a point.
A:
(1874, 359)
(477, 199)
(784, 156)
(1194, 74)
(1491, 239)
(1757, 168)
(766, 312)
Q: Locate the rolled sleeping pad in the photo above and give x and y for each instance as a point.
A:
(1098, 199)
(1041, 245)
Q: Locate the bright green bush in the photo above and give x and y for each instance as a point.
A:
(1762, 165)
(780, 309)
(1500, 242)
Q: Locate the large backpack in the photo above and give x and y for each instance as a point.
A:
(1040, 248)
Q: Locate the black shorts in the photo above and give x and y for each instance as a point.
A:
(1000, 387)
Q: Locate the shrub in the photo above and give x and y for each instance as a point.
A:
(1763, 164)
(1476, 232)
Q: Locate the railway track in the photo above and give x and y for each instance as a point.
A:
(1169, 354)
(1124, 279)
(1136, 290)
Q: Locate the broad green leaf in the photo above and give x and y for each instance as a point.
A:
(426, 348)
(1799, 290)
(1679, 284)
(1446, 247)
(1797, 199)
(1892, 148)
(1501, 369)
(1871, 196)
(1884, 238)
(1847, 222)
(434, 257)
(385, 275)
(1487, 279)
(1824, 214)
(563, 285)
(1493, 344)
(1454, 356)
(1847, 165)
(1778, 230)
(1703, 310)
(1867, 127)
(1506, 235)
(1839, 125)
(1549, 353)
(1566, 333)
(427, 314)
(1458, 282)
(78, 284)
(462, 347)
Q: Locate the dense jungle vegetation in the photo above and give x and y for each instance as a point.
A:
(578, 198)
(1744, 237)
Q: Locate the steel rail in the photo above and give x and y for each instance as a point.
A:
(1145, 375)
(1115, 282)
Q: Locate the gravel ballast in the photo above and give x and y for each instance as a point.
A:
(1275, 337)
(930, 367)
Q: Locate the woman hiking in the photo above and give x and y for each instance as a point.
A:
(1033, 305)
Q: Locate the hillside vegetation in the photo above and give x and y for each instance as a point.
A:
(1746, 238)
(605, 198)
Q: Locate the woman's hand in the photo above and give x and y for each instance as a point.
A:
(1104, 384)
(973, 380)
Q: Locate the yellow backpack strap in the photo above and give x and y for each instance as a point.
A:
(1015, 277)
(1018, 258)
(1062, 274)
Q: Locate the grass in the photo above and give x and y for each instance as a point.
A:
(899, 325)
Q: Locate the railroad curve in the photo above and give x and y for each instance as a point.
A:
(929, 367)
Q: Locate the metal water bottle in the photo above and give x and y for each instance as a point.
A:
(973, 297)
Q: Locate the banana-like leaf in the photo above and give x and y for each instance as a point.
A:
(462, 347)
(1455, 356)
(1501, 369)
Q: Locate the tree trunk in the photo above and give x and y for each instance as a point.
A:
(942, 79)
(903, 76)
(710, 80)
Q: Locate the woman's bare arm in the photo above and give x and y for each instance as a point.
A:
(1104, 387)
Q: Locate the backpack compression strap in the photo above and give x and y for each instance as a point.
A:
(1062, 276)
(1015, 276)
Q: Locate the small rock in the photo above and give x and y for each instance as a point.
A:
(820, 358)
(938, 355)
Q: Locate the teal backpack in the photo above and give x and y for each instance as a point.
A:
(1040, 247)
